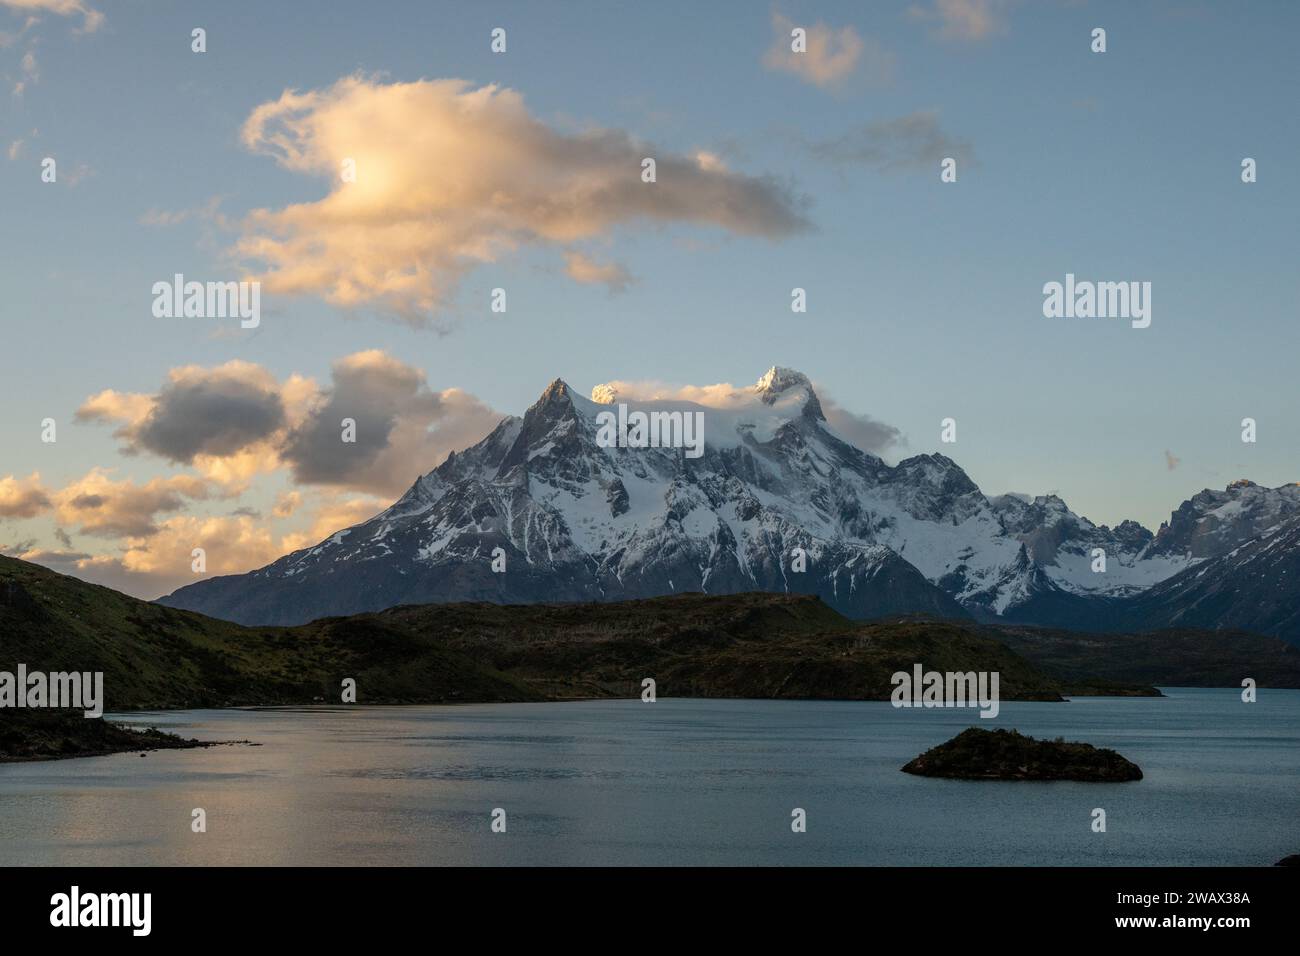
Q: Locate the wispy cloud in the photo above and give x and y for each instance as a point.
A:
(915, 141)
(831, 54)
(209, 211)
(968, 20)
(91, 19)
(581, 268)
(29, 73)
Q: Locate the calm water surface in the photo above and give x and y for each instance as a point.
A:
(674, 782)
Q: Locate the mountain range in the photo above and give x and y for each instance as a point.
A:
(543, 510)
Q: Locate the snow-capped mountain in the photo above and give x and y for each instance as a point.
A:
(1253, 587)
(544, 509)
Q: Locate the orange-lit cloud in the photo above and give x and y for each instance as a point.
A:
(581, 268)
(235, 421)
(334, 512)
(97, 505)
(22, 498)
(448, 177)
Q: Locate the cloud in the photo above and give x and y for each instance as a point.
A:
(449, 177)
(31, 73)
(403, 428)
(830, 55)
(157, 564)
(22, 498)
(910, 142)
(332, 514)
(286, 503)
(58, 560)
(235, 421)
(862, 431)
(105, 508)
(91, 19)
(78, 175)
(580, 268)
(9, 39)
(211, 412)
(230, 422)
(227, 421)
(969, 20)
(209, 211)
(29, 70)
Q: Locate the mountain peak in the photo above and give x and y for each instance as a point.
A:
(778, 379)
(559, 387)
(780, 384)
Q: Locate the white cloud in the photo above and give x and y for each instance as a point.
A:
(861, 430)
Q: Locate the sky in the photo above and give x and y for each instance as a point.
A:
(521, 170)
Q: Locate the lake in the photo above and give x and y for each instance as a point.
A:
(674, 782)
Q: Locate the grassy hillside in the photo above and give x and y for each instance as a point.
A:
(157, 657)
(747, 645)
(693, 645)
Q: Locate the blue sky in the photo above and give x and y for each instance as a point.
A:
(924, 298)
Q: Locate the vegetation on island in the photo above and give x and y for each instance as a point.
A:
(978, 754)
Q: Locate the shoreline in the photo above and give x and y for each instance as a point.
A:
(33, 736)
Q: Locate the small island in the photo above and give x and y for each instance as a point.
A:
(977, 754)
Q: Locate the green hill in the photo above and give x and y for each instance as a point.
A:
(744, 645)
(747, 645)
(156, 657)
